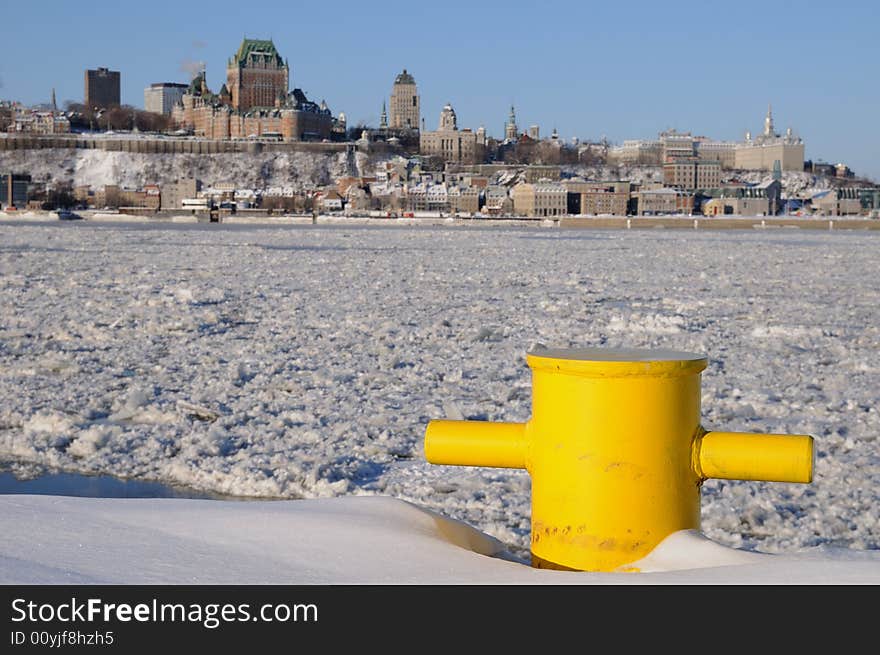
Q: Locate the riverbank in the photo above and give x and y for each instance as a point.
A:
(569, 222)
(725, 223)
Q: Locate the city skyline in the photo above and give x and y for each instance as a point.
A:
(589, 72)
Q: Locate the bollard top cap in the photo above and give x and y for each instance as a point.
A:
(616, 362)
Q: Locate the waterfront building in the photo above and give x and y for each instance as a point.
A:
(113, 195)
(657, 202)
(737, 201)
(847, 201)
(437, 198)
(465, 200)
(692, 173)
(416, 197)
(763, 199)
(174, 193)
(497, 201)
(539, 199)
(596, 198)
(14, 191)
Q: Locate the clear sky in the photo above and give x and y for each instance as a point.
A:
(590, 69)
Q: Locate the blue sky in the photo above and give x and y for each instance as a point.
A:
(615, 69)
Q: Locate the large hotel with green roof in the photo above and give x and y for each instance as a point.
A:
(254, 101)
(256, 76)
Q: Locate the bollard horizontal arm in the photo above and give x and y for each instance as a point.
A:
(748, 456)
(476, 443)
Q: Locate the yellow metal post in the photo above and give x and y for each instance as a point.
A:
(616, 453)
(476, 443)
(747, 456)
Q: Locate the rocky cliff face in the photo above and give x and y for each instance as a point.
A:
(296, 170)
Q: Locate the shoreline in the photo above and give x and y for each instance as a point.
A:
(828, 223)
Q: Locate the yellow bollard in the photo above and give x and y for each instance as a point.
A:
(616, 453)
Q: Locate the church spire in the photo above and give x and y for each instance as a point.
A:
(768, 122)
(383, 120)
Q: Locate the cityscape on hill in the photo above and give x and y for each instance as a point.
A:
(256, 145)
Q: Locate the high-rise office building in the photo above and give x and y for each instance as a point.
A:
(101, 88)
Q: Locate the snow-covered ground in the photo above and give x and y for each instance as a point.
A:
(380, 540)
(96, 168)
(305, 361)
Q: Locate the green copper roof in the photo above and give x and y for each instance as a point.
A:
(404, 78)
(249, 46)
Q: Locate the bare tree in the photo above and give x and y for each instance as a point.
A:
(59, 197)
(147, 121)
(433, 163)
(117, 117)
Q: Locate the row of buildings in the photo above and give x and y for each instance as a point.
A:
(754, 152)
(19, 119)
(401, 185)
(580, 197)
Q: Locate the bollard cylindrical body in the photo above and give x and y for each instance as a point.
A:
(612, 432)
(616, 453)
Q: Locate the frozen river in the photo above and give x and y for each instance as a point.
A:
(306, 361)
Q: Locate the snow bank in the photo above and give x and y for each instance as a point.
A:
(59, 540)
(27, 215)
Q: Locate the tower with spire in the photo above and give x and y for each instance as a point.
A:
(383, 119)
(769, 150)
(769, 132)
(510, 130)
